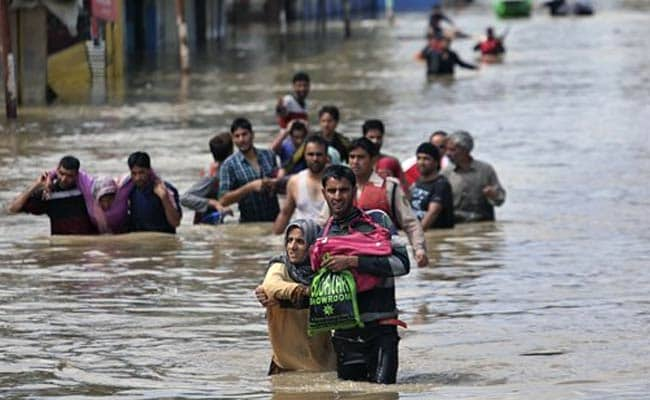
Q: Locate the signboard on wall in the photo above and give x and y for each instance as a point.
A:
(104, 9)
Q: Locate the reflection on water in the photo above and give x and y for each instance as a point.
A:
(551, 301)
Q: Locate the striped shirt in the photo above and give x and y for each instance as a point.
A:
(236, 171)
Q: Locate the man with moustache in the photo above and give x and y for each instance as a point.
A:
(367, 353)
(57, 196)
(247, 177)
(304, 196)
(474, 183)
(153, 203)
(374, 192)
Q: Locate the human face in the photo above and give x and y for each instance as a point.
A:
(456, 153)
(140, 176)
(375, 136)
(440, 142)
(243, 139)
(67, 177)
(339, 195)
(106, 201)
(360, 163)
(301, 89)
(296, 245)
(315, 157)
(426, 164)
(327, 124)
(298, 137)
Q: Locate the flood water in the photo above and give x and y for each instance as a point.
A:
(550, 302)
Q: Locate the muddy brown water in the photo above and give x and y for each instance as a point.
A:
(549, 302)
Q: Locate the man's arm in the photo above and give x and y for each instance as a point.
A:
(276, 145)
(234, 196)
(172, 212)
(197, 197)
(463, 63)
(431, 215)
(282, 220)
(494, 192)
(396, 264)
(19, 202)
(409, 223)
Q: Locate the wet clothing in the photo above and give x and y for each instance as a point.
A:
(235, 172)
(293, 350)
(290, 109)
(442, 62)
(435, 191)
(367, 354)
(470, 204)
(306, 206)
(490, 46)
(116, 218)
(340, 142)
(196, 198)
(65, 208)
(146, 211)
(387, 195)
(435, 19)
(358, 349)
(287, 150)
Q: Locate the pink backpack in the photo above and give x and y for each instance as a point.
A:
(374, 243)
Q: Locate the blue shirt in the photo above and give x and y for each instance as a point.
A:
(146, 211)
(235, 172)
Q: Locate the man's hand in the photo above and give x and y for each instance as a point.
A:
(264, 300)
(490, 192)
(160, 189)
(339, 263)
(217, 206)
(421, 258)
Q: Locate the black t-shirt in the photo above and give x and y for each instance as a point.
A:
(437, 191)
(66, 209)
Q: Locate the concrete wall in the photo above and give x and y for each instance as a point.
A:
(32, 56)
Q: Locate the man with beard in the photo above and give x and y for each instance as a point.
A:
(304, 196)
(248, 177)
(367, 353)
(375, 193)
(474, 183)
(431, 197)
(153, 203)
(58, 196)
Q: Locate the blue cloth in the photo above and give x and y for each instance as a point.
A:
(235, 172)
(146, 211)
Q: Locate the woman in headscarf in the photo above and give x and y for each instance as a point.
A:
(286, 284)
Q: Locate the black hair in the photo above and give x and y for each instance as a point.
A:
(298, 126)
(318, 140)
(366, 144)
(242, 123)
(139, 159)
(373, 124)
(70, 163)
(338, 172)
(331, 110)
(221, 146)
(300, 76)
(429, 149)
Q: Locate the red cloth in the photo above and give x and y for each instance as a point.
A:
(374, 243)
